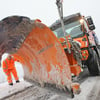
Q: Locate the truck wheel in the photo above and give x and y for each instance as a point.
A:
(93, 63)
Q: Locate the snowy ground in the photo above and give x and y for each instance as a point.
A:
(6, 90)
(27, 91)
(90, 90)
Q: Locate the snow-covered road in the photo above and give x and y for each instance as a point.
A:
(90, 89)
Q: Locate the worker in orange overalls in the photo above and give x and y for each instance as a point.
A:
(9, 68)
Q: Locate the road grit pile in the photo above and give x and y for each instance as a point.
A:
(26, 91)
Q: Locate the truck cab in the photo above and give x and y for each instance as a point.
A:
(80, 29)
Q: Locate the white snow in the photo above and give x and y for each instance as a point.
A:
(86, 88)
(6, 90)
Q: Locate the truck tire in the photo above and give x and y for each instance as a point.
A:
(93, 63)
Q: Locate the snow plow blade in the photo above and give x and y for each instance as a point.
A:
(37, 48)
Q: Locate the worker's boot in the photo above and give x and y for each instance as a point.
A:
(11, 84)
(17, 81)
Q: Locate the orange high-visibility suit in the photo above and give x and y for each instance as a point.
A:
(8, 68)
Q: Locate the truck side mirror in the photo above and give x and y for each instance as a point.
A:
(90, 22)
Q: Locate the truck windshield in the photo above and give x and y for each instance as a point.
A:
(74, 29)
